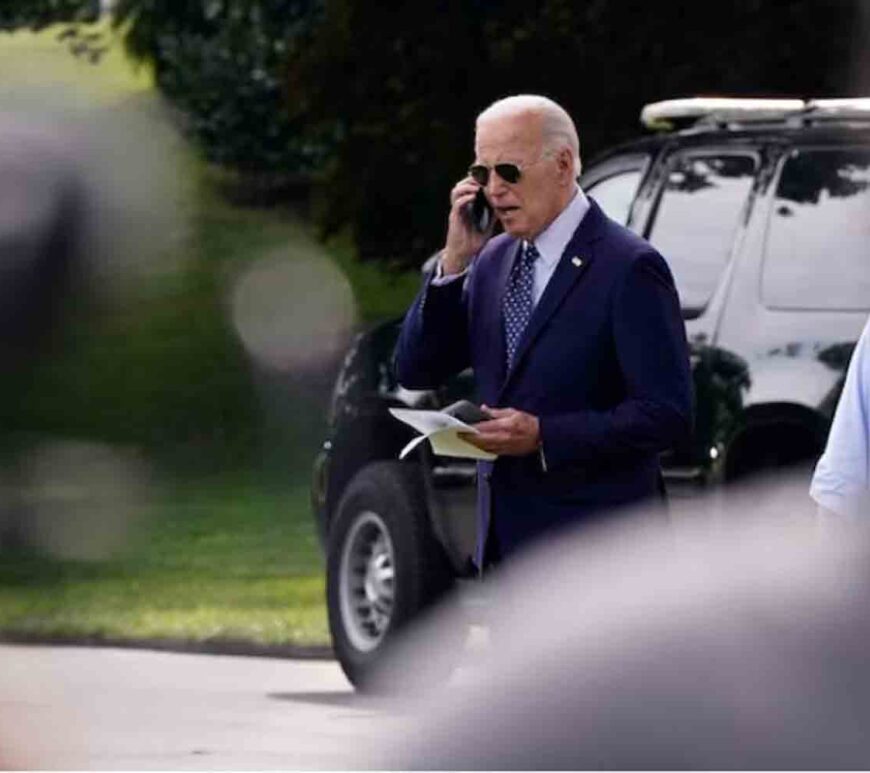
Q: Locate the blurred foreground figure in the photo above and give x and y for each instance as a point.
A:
(89, 206)
(41, 240)
(841, 483)
(83, 218)
(41, 219)
(736, 637)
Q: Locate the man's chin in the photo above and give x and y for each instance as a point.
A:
(514, 228)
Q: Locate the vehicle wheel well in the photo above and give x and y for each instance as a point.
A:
(774, 437)
(356, 446)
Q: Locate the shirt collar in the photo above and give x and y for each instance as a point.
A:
(553, 240)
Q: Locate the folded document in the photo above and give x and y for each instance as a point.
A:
(442, 430)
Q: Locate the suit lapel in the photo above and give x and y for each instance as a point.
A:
(576, 258)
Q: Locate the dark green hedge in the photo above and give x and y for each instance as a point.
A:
(404, 82)
(37, 14)
(375, 101)
(222, 65)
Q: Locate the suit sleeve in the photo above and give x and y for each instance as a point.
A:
(433, 344)
(650, 343)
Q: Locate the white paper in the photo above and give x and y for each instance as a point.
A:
(442, 431)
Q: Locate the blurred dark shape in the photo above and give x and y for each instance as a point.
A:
(83, 220)
(40, 244)
(736, 637)
(41, 216)
(90, 202)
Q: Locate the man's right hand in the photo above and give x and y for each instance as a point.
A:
(463, 241)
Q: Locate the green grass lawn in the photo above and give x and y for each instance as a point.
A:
(219, 560)
(35, 60)
(230, 558)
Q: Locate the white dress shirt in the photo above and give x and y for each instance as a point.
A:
(841, 482)
(553, 240)
(551, 243)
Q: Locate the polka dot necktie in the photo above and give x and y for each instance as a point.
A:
(517, 304)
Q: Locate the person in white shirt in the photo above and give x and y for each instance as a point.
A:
(841, 482)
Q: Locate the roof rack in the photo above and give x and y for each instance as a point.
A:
(666, 115)
(855, 107)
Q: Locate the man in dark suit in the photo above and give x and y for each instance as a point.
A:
(572, 326)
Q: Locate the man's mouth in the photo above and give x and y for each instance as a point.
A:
(506, 211)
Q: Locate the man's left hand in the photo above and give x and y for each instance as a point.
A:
(509, 432)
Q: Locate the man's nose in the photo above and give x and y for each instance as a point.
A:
(495, 186)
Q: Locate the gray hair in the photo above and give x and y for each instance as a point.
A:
(557, 127)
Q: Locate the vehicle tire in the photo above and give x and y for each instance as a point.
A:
(384, 567)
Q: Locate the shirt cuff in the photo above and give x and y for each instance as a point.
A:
(440, 278)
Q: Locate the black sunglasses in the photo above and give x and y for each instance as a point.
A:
(510, 173)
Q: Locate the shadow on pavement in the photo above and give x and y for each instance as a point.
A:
(343, 698)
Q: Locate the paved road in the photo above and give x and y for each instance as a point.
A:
(92, 708)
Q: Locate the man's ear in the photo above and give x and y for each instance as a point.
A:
(565, 164)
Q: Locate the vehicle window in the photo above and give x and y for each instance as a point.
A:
(818, 243)
(615, 193)
(697, 218)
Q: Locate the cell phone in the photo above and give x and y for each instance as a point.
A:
(466, 411)
(478, 213)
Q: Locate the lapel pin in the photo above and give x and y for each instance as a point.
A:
(577, 261)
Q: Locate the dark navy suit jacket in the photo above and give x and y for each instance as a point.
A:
(603, 364)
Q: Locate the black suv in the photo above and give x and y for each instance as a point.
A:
(762, 210)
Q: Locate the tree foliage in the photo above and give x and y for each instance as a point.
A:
(38, 14)
(221, 64)
(379, 99)
(404, 82)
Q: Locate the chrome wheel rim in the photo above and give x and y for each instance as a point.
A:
(367, 581)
